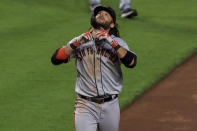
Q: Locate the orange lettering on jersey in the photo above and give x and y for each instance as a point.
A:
(83, 53)
(88, 50)
(114, 58)
(91, 51)
(103, 51)
(106, 52)
(98, 51)
(79, 56)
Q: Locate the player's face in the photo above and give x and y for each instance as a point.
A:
(104, 18)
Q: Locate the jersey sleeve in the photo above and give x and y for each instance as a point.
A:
(122, 43)
(59, 57)
(73, 53)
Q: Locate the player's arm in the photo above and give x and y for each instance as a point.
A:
(128, 58)
(62, 55)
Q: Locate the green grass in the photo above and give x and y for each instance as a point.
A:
(37, 96)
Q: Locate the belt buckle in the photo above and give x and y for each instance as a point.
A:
(88, 98)
(102, 100)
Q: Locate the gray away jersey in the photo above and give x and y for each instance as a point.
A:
(98, 68)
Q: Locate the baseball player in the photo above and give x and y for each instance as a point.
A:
(99, 54)
(125, 8)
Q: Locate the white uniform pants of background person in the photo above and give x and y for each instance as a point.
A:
(90, 115)
(124, 4)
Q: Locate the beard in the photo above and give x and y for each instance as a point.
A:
(97, 25)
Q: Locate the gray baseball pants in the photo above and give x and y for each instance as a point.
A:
(90, 116)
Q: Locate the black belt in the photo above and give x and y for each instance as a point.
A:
(99, 99)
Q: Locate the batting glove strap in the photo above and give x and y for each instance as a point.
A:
(114, 43)
(74, 45)
(117, 47)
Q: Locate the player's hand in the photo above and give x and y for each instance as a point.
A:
(85, 37)
(103, 35)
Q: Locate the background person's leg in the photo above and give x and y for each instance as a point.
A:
(94, 3)
(126, 10)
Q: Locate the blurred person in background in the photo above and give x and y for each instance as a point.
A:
(125, 8)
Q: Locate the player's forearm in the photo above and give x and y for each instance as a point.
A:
(128, 58)
(121, 52)
(68, 50)
(61, 55)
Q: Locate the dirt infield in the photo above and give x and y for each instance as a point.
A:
(171, 104)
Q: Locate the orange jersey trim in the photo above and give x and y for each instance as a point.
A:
(61, 54)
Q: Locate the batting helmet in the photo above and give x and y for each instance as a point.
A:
(111, 11)
(107, 9)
